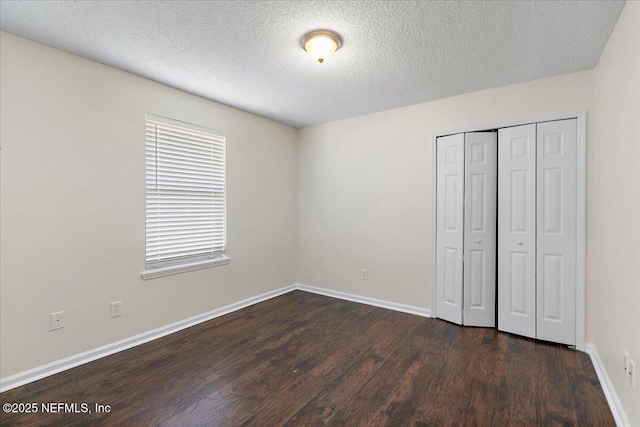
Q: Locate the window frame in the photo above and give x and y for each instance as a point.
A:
(175, 266)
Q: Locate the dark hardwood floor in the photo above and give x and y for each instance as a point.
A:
(302, 359)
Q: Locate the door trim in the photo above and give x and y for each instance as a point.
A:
(581, 126)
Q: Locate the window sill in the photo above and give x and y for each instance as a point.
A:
(182, 268)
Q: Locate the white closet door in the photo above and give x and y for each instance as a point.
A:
(449, 227)
(517, 230)
(556, 240)
(481, 151)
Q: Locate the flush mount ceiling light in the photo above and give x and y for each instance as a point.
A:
(320, 45)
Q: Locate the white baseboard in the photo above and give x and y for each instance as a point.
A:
(619, 415)
(52, 368)
(49, 369)
(424, 312)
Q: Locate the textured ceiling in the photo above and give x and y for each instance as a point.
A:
(247, 54)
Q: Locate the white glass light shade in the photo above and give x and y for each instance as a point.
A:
(320, 45)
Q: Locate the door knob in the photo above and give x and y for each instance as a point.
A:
(519, 242)
(477, 240)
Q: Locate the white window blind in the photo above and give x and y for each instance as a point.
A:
(185, 193)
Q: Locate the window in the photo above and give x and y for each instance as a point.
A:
(185, 197)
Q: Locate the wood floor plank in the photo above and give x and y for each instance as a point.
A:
(589, 400)
(518, 387)
(383, 396)
(306, 359)
(347, 372)
(287, 367)
(201, 413)
(221, 364)
(558, 406)
(483, 382)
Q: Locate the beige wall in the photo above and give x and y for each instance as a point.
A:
(613, 215)
(364, 185)
(72, 214)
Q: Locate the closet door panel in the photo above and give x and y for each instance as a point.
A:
(481, 151)
(556, 234)
(449, 227)
(517, 230)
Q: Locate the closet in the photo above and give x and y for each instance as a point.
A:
(506, 229)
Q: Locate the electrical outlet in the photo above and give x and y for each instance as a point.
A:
(116, 308)
(364, 274)
(631, 371)
(56, 320)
